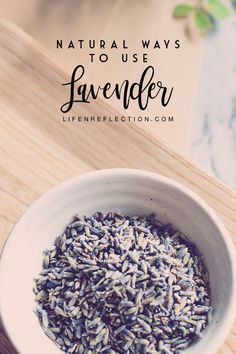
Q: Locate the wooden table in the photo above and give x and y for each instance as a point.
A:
(38, 150)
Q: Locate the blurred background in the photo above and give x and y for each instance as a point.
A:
(203, 71)
(213, 133)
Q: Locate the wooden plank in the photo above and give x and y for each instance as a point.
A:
(118, 19)
(38, 150)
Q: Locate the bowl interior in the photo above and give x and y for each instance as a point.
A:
(129, 192)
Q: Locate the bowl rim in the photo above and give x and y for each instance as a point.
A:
(230, 315)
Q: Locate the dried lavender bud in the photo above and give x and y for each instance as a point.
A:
(122, 284)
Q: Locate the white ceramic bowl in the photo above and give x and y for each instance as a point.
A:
(128, 191)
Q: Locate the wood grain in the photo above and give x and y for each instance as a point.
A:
(112, 20)
(38, 150)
